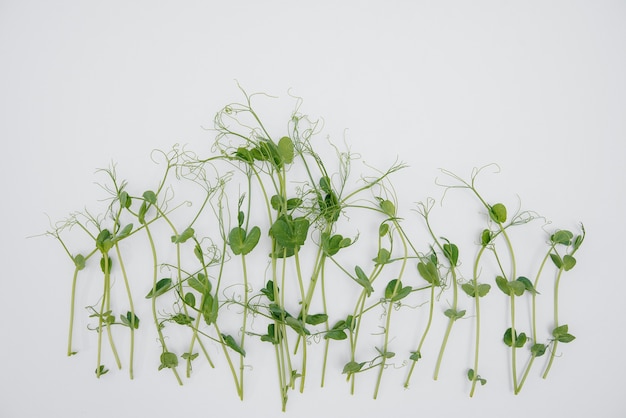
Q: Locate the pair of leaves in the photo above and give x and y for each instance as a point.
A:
(210, 307)
(451, 252)
(272, 336)
(562, 335)
(332, 244)
(454, 314)
(472, 376)
(268, 290)
(130, 320)
(242, 242)
(382, 257)
(266, 150)
(328, 203)
(338, 331)
(429, 272)
(363, 280)
(395, 291)
(566, 263)
(520, 339)
(515, 287)
(150, 199)
(476, 289)
(289, 233)
(279, 204)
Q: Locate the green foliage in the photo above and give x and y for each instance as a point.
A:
(161, 287)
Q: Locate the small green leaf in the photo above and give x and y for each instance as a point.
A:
(168, 360)
(561, 334)
(100, 370)
(382, 257)
(189, 356)
(268, 290)
(363, 280)
(453, 314)
(124, 232)
(485, 237)
(187, 233)
(316, 319)
(200, 283)
(210, 307)
(160, 288)
(470, 375)
(517, 287)
(503, 284)
(562, 237)
(150, 197)
(415, 355)
(451, 252)
(79, 261)
(497, 213)
(297, 325)
(428, 271)
(335, 334)
(352, 367)
(383, 229)
(104, 241)
(483, 289)
(568, 262)
(388, 208)
(385, 354)
(271, 335)
(130, 320)
(285, 149)
(190, 299)
(125, 200)
(556, 260)
(182, 319)
(538, 350)
(527, 285)
(520, 339)
(231, 343)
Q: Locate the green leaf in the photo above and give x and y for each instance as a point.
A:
(428, 271)
(241, 242)
(363, 280)
(451, 252)
(271, 336)
(453, 314)
(150, 197)
(200, 283)
(231, 343)
(556, 260)
(520, 339)
(124, 232)
(497, 213)
(160, 288)
(130, 320)
(190, 356)
(415, 355)
(388, 208)
(352, 367)
(168, 360)
(209, 308)
(385, 354)
(290, 233)
(527, 285)
(503, 284)
(325, 184)
(485, 237)
(517, 287)
(182, 319)
(100, 370)
(285, 149)
(382, 257)
(187, 233)
(538, 350)
(297, 325)
(190, 299)
(383, 229)
(483, 289)
(562, 237)
(293, 203)
(395, 291)
(316, 319)
(277, 312)
(568, 262)
(79, 261)
(268, 290)
(561, 334)
(335, 334)
(125, 200)
(104, 241)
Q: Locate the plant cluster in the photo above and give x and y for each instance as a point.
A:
(267, 229)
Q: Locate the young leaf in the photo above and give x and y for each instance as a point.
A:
(125, 200)
(316, 319)
(454, 315)
(518, 287)
(104, 242)
(527, 285)
(556, 260)
(168, 360)
(561, 334)
(451, 252)
(335, 334)
(297, 325)
(485, 237)
(190, 356)
(271, 336)
(130, 320)
(497, 213)
(538, 350)
(210, 307)
(382, 257)
(200, 283)
(268, 290)
(568, 262)
(503, 284)
(520, 339)
(231, 343)
(285, 149)
(562, 237)
(160, 288)
(150, 197)
(124, 232)
(362, 279)
(190, 299)
(182, 319)
(101, 370)
(383, 229)
(429, 272)
(352, 367)
(388, 208)
(415, 355)
(79, 261)
(179, 239)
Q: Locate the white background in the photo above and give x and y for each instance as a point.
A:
(536, 86)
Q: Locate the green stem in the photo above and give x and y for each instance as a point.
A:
(132, 310)
(556, 322)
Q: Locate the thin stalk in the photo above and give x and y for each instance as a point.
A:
(477, 308)
(556, 322)
(132, 310)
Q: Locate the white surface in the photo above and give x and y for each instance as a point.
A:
(536, 86)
